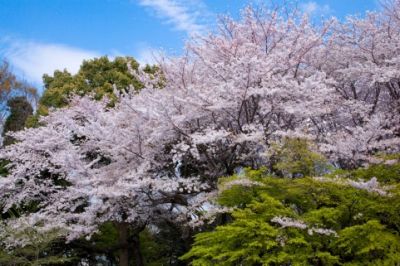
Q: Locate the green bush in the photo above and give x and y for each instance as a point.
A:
(294, 157)
(337, 224)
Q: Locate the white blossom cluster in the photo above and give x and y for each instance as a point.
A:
(371, 185)
(290, 222)
(322, 231)
(241, 181)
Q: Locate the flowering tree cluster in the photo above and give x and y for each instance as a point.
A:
(157, 154)
(269, 76)
(89, 165)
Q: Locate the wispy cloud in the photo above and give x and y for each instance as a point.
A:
(185, 16)
(146, 55)
(33, 59)
(313, 8)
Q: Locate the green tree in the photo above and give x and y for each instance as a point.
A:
(294, 157)
(98, 77)
(20, 110)
(331, 220)
(11, 87)
(336, 225)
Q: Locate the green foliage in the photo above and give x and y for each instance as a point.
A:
(100, 249)
(154, 249)
(368, 244)
(295, 158)
(165, 245)
(238, 195)
(96, 77)
(106, 238)
(44, 251)
(383, 172)
(162, 246)
(386, 172)
(361, 227)
(20, 110)
(3, 168)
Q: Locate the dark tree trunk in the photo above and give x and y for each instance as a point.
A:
(136, 250)
(123, 243)
(129, 245)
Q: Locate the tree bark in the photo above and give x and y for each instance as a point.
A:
(136, 250)
(123, 243)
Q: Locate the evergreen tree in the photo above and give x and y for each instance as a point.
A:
(20, 110)
(338, 219)
(98, 77)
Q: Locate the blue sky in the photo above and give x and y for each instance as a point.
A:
(39, 36)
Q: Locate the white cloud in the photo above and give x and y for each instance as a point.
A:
(33, 59)
(313, 8)
(183, 15)
(146, 55)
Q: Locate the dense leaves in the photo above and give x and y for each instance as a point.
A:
(99, 77)
(303, 221)
(20, 110)
(293, 158)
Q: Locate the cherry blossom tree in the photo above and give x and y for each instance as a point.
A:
(361, 56)
(271, 75)
(89, 165)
